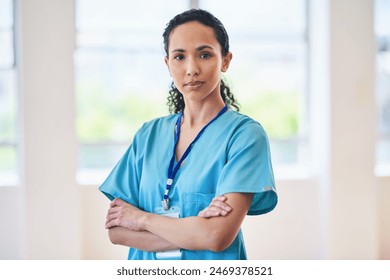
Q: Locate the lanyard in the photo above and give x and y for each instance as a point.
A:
(172, 170)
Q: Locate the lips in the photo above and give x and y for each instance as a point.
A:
(194, 84)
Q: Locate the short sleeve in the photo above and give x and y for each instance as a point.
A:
(249, 168)
(123, 181)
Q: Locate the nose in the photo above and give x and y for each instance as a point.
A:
(192, 67)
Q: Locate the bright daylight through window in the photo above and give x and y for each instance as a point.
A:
(382, 29)
(122, 81)
(8, 99)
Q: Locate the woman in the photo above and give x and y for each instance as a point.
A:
(162, 189)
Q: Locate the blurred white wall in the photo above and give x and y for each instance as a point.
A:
(340, 212)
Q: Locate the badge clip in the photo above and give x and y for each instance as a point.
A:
(165, 204)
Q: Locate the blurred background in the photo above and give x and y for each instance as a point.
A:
(78, 78)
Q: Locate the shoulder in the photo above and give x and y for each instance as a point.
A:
(160, 121)
(152, 131)
(243, 133)
(157, 125)
(244, 126)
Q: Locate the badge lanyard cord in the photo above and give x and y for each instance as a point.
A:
(172, 170)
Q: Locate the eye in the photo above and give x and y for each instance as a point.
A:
(205, 55)
(178, 57)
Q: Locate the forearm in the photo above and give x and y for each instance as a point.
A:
(142, 240)
(196, 233)
(192, 233)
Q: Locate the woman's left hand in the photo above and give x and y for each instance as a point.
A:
(217, 207)
(125, 215)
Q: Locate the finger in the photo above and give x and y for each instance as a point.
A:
(221, 198)
(111, 217)
(201, 214)
(216, 211)
(117, 202)
(113, 210)
(206, 214)
(112, 220)
(221, 205)
(115, 219)
(218, 198)
(112, 223)
(212, 212)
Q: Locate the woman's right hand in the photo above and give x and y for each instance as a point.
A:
(217, 207)
(125, 215)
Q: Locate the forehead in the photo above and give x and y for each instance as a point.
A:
(191, 35)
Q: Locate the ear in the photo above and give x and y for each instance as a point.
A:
(226, 61)
(166, 59)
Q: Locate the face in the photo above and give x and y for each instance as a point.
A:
(195, 61)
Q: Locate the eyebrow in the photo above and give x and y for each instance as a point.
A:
(200, 48)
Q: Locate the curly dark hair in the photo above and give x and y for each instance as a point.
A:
(175, 99)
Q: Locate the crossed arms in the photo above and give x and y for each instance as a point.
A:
(215, 227)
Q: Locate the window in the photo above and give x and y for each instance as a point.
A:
(8, 99)
(269, 76)
(122, 81)
(121, 77)
(382, 29)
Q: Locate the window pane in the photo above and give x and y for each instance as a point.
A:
(268, 73)
(121, 77)
(6, 14)
(6, 34)
(8, 152)
(114, 97)
(383, 82)
(7, 106)
(7, 159)
(8, 102)
(6, 50)
(382, 20)
(382, 28)
(268, 17)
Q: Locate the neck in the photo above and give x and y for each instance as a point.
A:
(198, 114)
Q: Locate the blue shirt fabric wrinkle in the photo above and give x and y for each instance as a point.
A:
(232, 155)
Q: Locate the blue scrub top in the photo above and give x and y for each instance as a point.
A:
(232, 155)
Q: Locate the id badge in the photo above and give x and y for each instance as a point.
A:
(173, 212)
